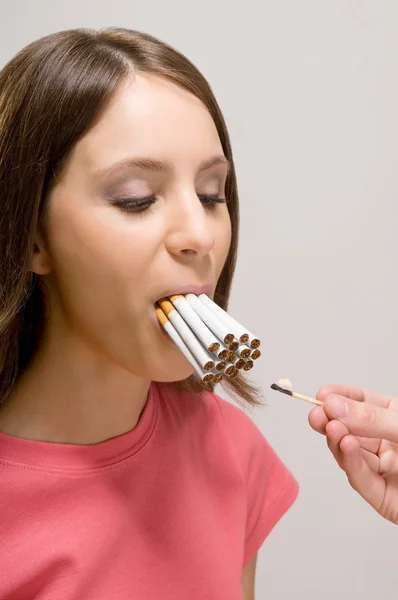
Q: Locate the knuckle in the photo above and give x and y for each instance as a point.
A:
(369, 416)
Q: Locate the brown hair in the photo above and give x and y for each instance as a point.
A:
(50, 94)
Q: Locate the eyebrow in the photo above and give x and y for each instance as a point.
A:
(158, 166)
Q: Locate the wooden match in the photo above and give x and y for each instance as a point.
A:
(278, 388)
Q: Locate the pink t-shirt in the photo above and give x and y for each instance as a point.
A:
(173, 509)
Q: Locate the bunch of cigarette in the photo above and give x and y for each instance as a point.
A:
(212, 341)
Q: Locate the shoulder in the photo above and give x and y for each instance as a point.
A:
(208, 412)
(227, 431)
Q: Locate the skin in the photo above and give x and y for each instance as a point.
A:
(104, 265)
(361, 428)
(249, 579)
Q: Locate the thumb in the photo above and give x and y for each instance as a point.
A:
(363, 419)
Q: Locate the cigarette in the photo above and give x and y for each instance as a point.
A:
(248, 365)
(244, 351)
(233, 346)
(231, 371)
(173, 333)
(206, 336)
(278, 388)
(241, 334)
(218, 377)
(210, 319)
(239, 363)
(223, 353)
(220, 365)
(194, 345)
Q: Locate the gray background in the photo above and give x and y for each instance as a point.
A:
(310, 95)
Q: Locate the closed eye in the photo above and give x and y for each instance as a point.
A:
(137, 205)
(210, 201)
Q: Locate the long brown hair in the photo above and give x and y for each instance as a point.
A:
(50, 94)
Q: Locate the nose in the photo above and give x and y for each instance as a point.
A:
(191, 234)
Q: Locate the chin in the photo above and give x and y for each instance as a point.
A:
(163, 368)
(172, 374)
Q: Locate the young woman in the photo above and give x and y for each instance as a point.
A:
(121, 475)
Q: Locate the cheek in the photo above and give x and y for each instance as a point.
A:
(223, 241)
(103, 265)
(103, 271)
(100, 249)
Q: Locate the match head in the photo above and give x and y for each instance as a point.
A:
(285, 383)
(278, 388)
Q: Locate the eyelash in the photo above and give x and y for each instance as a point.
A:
(138, 205)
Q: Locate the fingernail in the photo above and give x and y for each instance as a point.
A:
(337, 407)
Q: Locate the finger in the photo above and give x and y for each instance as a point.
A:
(335, 432)
(369, 444)
(371, 459)
(317, 419)
(355, 393)
(362, 419)
(361, 477)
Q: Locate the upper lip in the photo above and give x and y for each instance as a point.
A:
(186, 289)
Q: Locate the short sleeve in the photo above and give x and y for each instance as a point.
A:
(270, 487)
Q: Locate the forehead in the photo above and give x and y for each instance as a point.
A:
(150, 116)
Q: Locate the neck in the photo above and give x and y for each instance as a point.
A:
(70, 393)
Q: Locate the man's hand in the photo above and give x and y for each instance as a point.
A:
(361, 429)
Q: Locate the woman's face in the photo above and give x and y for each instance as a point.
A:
(136, 215)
